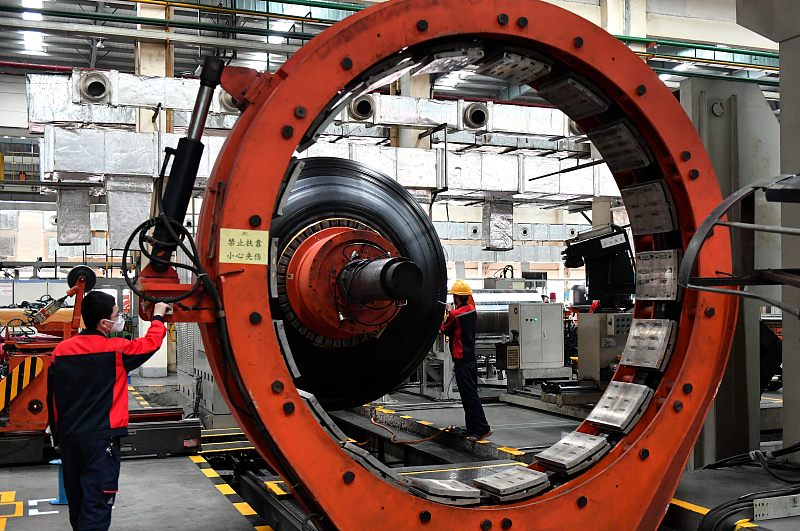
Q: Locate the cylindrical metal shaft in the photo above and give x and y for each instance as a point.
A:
(380, 280)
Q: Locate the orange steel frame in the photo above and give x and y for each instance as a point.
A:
(22, 419)
(630, 488)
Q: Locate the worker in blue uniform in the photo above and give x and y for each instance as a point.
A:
(87, 400)
(459, 326)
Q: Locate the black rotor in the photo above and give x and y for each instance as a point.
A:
(351, 375)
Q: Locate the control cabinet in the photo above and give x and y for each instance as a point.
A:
(541, 335)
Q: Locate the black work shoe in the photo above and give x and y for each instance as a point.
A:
(480, 437)
(458, 430)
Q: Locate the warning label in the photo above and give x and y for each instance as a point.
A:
(243, 246)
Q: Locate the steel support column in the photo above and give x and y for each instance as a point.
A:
(777, 20)
(741, 135)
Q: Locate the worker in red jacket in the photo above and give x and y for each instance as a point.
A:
(87, 400)
(459, 326)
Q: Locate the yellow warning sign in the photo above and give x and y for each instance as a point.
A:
(243, 246)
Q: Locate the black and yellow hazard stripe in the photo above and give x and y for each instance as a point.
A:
(21, 377)
(139, 398)
(242, 506)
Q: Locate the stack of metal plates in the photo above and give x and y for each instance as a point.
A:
(447, 491)
(657, 275)
(649, 344)
(574, 453)
(621, 406)
(514, 483)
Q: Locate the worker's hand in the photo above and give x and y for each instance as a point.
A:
(448, 307)
(162, 309)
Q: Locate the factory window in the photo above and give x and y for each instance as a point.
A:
(64, 251)
(9, 220)
(7, 246)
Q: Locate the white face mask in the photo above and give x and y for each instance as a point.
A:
(119, 324)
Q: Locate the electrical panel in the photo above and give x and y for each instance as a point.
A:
(541, 335)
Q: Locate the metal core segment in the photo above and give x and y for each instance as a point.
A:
(334, 275)
(386, 279)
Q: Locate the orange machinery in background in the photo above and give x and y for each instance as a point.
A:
(28, 340)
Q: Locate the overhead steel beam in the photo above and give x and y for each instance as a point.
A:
(42, 204)
(142, 35)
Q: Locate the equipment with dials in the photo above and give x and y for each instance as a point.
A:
(601, 339)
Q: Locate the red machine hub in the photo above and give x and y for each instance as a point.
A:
(312, 282)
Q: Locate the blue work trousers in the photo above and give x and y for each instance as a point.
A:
(91, 479)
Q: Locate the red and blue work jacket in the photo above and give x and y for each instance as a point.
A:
(87, 383)
(459, 327)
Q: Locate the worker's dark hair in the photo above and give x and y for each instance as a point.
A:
(95, 307)
(461, 300)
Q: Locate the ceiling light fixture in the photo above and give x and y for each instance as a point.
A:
(33, 4)
(33, 41)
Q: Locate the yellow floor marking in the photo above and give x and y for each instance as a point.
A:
(462, 468)
(483, 441)
(690, 506)
(225, 489)
(406, 417)
(244, 508)
(744, 524)
(197, 459)
(512, 451)
(274, 486)
(425, 423)
(209, 472)
(263, 528)
(7, 498)
(131, 388)
(384, 410)
(228, 450)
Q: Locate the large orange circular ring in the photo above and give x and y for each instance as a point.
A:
(623, 490)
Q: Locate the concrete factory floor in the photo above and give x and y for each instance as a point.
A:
(163, 494)
(702, 489)
(512, 426)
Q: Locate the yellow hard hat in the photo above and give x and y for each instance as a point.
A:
(460, 288)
